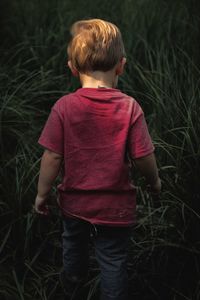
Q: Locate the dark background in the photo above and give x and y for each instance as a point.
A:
(162, 40)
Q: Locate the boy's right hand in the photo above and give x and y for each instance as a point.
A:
(155, 189)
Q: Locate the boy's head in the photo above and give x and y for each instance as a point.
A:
(96, 45)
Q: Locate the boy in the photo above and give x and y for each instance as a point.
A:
(92, 134)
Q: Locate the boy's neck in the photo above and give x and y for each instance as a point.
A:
(98, 79)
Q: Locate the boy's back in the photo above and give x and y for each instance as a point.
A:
(95, 129)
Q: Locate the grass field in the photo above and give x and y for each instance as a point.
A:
(162, 40)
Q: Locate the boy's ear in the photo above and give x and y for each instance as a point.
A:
(73, 70)
(120, 66)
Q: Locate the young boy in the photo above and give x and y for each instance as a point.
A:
(92, 134)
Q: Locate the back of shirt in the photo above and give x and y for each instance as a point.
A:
(94, 129)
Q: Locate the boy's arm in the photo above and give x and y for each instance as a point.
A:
(147, 166)
(49, 170)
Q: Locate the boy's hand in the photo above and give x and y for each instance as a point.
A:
(155, 189)
(40, 205)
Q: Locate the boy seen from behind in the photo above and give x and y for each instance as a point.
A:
(91, 135)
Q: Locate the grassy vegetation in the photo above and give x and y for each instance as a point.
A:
(163, 74)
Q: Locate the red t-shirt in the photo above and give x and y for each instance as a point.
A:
(94, 129)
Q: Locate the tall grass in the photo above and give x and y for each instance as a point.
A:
(162, 73)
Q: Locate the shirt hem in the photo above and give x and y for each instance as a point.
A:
(99, 222)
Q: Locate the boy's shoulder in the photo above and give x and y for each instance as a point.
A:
(130, 100)
(64, 98)
(73, 94)
(124, 99)
(60, 104)
(127, 97)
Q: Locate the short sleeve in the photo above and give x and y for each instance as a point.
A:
(52, 136)
(139, 140)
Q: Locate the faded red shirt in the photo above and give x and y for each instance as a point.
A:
(94, 129)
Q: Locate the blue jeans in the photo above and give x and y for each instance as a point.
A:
(110, 244)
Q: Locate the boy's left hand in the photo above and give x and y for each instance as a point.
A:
(40, 205)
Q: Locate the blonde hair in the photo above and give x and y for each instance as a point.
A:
(96, 45)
